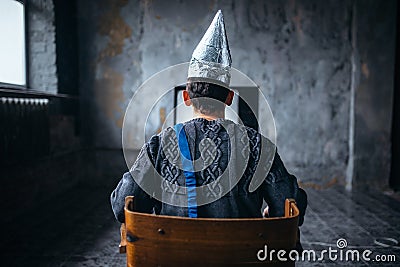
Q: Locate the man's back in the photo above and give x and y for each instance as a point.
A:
(226, 156)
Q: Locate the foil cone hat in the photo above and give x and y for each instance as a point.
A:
(211, 60)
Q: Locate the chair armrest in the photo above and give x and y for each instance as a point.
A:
(129, 205)
(290, 205)
(122, 244)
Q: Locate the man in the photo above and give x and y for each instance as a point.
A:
(215, 160)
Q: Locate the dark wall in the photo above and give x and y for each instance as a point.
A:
(375, 38)
(67, 47)
(326, 68)
(395, 167)
(40, 149)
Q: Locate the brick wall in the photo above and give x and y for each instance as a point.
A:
(41, 46)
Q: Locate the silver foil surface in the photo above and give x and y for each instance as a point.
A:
(211, 59)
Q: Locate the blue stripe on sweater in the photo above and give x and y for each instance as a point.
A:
(188, 170)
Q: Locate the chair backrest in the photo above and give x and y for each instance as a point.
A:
(156, 240)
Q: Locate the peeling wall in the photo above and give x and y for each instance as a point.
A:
(299, 52)
(109, 33)
(112, 25)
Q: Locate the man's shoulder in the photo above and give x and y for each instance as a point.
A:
(259, 137)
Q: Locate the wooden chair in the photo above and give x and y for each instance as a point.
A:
(156, 240)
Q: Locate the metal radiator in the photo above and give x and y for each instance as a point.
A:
(24, 129)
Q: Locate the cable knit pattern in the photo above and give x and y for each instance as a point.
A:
(201, 129)
(212, 149)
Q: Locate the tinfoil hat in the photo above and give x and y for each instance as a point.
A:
(211, 60)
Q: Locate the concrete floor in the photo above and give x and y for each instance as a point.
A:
(78, 229)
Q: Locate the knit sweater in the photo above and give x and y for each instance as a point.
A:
(228, 158)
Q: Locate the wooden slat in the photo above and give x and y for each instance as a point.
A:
(122, 244)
